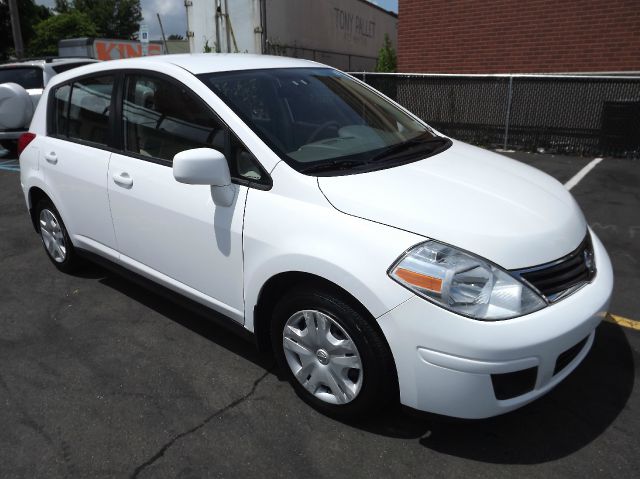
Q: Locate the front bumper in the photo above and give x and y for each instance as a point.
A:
(451, 365)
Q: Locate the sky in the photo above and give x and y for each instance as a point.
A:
(174, 17)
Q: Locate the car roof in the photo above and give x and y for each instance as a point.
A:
(219, 62)
(197, 63)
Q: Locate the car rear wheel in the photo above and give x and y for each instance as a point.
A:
(332, 355)
(55, 238)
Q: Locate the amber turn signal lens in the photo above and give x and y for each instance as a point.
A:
(420, 280)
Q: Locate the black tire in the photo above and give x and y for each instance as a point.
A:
(379, 378)
(71, 262)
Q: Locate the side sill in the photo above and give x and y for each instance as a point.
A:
(206, 313)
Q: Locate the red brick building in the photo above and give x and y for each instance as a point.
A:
(518, 36)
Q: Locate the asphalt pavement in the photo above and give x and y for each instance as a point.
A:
(100, 378)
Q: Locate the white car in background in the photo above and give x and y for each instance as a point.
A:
(377, 258)
(21, 84)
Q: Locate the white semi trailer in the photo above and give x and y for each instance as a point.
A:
(346, 34)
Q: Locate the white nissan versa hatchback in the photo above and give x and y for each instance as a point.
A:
(379, 259)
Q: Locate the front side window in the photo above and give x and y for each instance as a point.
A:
(322, 120)
(162, 119)
(88, 117)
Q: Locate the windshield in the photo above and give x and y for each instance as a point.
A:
(322, 120)
(29, 77)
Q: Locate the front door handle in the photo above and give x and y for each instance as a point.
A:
(51, 157)
(123, 179)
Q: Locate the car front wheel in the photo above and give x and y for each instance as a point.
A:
(336, 360)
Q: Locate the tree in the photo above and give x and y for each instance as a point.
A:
(174, 36)
(30, 15)
(63, 6)
(65, 25)
(112, 18)
(387, 60)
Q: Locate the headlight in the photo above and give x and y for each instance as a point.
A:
(463, 283)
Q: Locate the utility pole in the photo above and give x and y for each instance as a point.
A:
(227, 25)
(15, 28)
(164, 40)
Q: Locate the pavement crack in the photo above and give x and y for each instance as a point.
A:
(161, 452)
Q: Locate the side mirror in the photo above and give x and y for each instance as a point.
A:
(205, 166)
(201, 166)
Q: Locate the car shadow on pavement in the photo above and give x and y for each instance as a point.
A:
(194, 321)
(567, 419)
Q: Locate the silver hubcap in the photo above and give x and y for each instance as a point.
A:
(52, 236)
(322, 356)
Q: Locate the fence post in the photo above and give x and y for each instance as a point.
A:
(508, 116)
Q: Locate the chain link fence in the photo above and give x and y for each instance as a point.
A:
(572, 114)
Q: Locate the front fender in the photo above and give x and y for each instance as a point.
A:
(376, 304)
(294, 228)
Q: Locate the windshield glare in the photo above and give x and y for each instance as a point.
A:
(310, 115)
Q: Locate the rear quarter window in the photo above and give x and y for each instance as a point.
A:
(80, 110)
(26, 77)
(89, 109)
(60, 110)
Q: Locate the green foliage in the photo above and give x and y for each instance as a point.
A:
(174, 36)
(112, 18)
(65, 25)
(76, 18)
(207, 48)
(387, 60)
(62, 6)
(30, 15)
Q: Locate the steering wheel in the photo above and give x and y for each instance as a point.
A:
(321, 128)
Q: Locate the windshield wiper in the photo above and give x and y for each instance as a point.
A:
(399, 148)
(397, 152)
(333, 166)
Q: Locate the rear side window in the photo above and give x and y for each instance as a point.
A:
(26, 77)
(88, 117)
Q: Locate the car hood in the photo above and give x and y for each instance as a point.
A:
(501, 209)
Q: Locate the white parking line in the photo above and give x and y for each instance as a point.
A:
(582, 173)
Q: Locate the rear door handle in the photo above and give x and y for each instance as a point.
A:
(123, 179)
(51, 157)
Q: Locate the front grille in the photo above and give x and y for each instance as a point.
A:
(553, 279)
